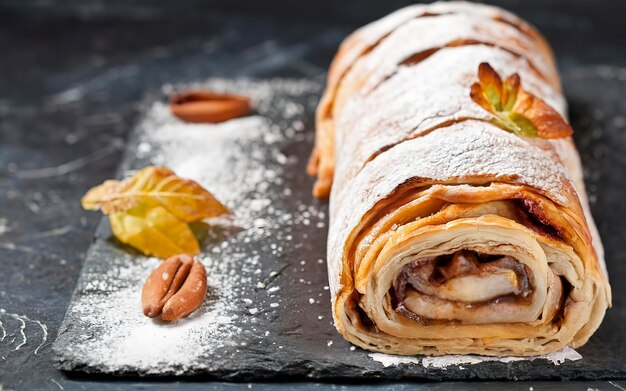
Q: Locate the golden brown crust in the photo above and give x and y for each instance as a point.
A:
(416, 169)
(364, 40)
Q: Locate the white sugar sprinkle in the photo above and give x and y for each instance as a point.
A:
(442, 362)
(240, 162)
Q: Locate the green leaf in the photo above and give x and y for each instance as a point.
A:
(526, 127)
(516, 110)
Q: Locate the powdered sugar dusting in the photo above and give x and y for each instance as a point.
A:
(438, 32)
(363, 129)
(243, 164)
(456, 153)
(129, 338)
(388, 360)
(443, 362)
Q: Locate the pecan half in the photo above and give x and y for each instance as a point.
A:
(205, 106)
(175, 289)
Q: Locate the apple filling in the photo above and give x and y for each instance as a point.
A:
(464, 278)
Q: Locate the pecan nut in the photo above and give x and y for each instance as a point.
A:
(204, 106)
(175, 289)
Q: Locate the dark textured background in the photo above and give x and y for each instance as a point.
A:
(53, 146)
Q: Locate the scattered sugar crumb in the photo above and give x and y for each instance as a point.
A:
(143, 148)
(241, 163)
(442, 362)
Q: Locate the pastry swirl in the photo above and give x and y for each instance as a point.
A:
(449, 234)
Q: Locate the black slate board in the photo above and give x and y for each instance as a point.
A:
(299, 342)
(39, 134)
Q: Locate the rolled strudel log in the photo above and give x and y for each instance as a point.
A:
(458, 216)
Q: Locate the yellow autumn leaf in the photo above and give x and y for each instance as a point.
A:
(154, 232)
(151, 211)
(184, 198)
(93, 199)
